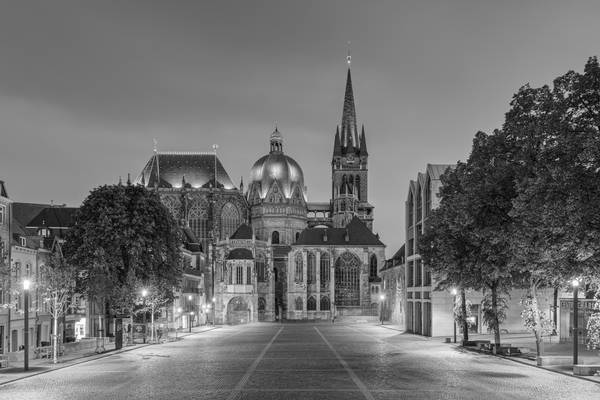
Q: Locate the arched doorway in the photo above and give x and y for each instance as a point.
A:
(238, 311)
(262, 305)
(347, 280)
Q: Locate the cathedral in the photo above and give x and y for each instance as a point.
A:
(271, 253)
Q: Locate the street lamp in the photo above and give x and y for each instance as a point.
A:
(381, 298)
(26, 284)
(575, 321)
(214, 310)
(191, 315)
(454, 292)
(144, 294)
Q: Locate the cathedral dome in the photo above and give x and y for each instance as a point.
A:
(279, 168)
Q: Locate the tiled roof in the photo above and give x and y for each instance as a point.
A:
(240, 254)
(197, 168)
(242, 232)
(54, 217)
(190, 241)
(24, 213)
(356, 233)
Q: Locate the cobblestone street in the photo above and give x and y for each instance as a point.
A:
(300, 361)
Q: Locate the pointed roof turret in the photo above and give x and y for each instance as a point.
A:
(349, 137)
(363, 143)
(337, 147)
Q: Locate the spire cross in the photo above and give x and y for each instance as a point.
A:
(349, 57)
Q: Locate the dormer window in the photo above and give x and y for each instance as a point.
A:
(23, 241)
(2, 214)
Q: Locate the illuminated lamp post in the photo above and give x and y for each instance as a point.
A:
(575, 321)
(381, 298)
(454, 292)
(26, 285)
(214, 309)
(190, 316)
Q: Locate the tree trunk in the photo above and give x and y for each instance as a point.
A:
(495, 314)
(555, 310)
(537, 323)
(55, 335)
(463, 311)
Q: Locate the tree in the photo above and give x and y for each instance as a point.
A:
(123, 235)
(557, 153)
(57, 288)
(445, 247)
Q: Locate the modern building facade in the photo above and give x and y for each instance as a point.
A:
(429, 312)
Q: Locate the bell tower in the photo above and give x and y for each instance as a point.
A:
(349, 166)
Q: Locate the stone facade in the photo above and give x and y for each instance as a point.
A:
(256, 242)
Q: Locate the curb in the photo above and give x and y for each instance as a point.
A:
(583, 377)
(95, 357)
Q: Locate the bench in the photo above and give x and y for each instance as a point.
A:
(3, 361)
(43, 352)
(586, 370)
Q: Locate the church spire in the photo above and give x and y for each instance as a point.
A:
(363, 142)
(349, 137)
(337, 147)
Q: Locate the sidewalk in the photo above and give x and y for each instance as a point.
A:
(16, 372)
(526, 342)
(551, 347)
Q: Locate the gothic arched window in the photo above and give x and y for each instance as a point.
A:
(299, 270)
(262, 304)
(324, 266)
(198, 220)
(357, 183)
(311, 268)
(248, 275)
(311, 304)
(261, 268)
(324, 303)
(299, 306)
(373, 266)
(275, 237)
(173, 205)
(230, 220)
(350, 184)
(347, 280)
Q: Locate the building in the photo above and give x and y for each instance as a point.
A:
(5, 242)
(393, 289)
(271, 253)
(429, 312)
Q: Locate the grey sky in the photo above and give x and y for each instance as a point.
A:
(85, 86)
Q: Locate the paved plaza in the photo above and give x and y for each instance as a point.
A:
(300, 361)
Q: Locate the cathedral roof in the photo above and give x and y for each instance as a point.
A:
(240, 254)
(170, 169)
(356, 233)
(242, 232)
(190, 241)
(277, 167)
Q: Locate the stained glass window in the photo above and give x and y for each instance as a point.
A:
(347, 280)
